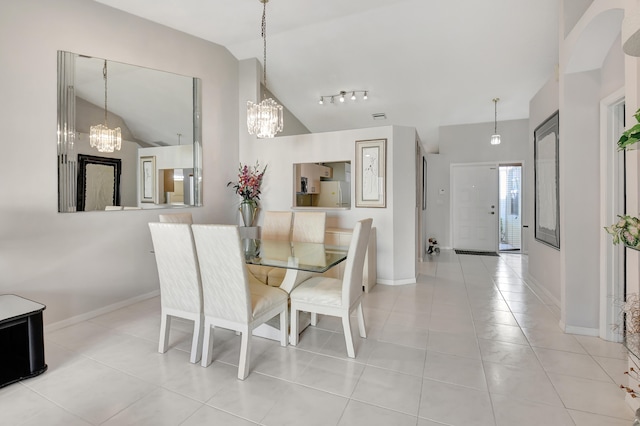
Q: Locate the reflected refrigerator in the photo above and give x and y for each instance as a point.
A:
(335, 193)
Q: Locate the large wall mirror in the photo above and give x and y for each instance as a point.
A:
(322, 185)
(158, 113)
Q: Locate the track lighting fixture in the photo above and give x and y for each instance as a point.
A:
(341, 96)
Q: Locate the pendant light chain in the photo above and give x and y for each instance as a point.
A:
(495, 138)
(265, 118)
(264, 41)
(495, 121)
(104, 76)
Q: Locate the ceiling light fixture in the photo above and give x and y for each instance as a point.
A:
(495, 138)
(266, 118)
(101, 136)
(341, 96)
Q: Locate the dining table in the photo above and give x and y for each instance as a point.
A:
(301, 261)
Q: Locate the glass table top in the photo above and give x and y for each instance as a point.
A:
(310, 257)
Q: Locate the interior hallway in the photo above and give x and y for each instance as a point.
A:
(469, 344)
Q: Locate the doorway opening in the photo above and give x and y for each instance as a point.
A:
(613, 261)
(510, 214)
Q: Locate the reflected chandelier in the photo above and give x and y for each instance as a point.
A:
(266, 118)
(101, 136)
(495, 138)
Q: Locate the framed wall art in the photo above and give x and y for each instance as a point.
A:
(98, 182)
(148, 179)
(370, 176)
(546, 179)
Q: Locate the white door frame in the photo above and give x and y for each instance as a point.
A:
(611, 204)
(522, 198)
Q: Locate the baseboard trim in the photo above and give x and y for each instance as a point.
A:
(104, 310)
(397, 282)
(535, 286)
(582, 331)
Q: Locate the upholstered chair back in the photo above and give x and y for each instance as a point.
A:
(309, 227)
(176, 218)
(352, 278)
(276, 226)
(222, 268)
(177, 263)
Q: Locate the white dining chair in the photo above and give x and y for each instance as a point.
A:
(176, 218)
(331, 296)
(276, 225)
(308, 227)
(180, 287)
(231, 300)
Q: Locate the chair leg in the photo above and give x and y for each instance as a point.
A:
(361, 323)
(165, 325)
(245, 354)
(207, 344)
(284, 326)
(196, 342)
(348, 337)
(294, 326)
(314, 319)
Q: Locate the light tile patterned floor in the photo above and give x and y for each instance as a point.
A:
(469, 344)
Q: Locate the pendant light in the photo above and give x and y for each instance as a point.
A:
(495, 138)
(101, 136)
(266, 118)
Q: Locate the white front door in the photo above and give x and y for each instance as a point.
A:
(474, 206)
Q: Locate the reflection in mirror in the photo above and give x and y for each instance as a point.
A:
(322, 185)
(159, 116)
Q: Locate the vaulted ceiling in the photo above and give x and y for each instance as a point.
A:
(425, 63)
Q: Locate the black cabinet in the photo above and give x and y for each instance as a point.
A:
(21, 339)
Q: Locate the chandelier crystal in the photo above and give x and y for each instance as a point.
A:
(101, 136)
(266, 118)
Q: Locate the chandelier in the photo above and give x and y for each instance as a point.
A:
(342, 94)
(101, 136)
(495, 138)
(266, 118)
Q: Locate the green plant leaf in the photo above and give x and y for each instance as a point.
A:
(630, 136)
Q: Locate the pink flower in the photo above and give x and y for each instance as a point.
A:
(249, 182)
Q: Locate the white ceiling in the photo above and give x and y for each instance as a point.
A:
(425, 63)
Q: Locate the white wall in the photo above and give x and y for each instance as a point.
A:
(596, 70)
(396, 231)
(468, 143)
(79, 262)
(544, 261)
(580, 200)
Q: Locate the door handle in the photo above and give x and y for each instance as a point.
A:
(492, 212)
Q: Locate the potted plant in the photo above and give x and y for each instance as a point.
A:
(632, 135)
(626, 230)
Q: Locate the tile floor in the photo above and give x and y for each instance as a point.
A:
(469, 344)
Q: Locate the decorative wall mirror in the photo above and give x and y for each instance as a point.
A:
(158, 114)
(322, 185)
